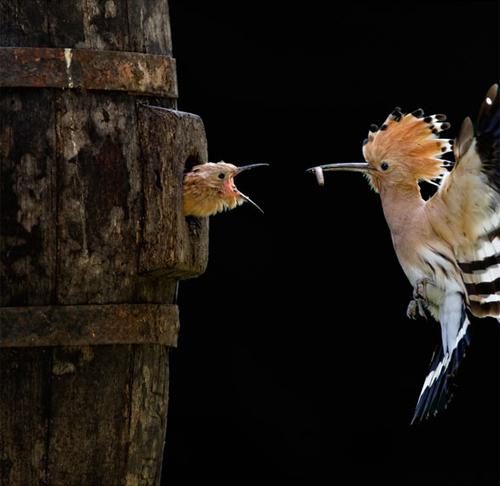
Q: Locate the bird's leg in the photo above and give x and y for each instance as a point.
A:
(420, 289)
(417, 306)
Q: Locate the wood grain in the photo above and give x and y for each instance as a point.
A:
(89, 219)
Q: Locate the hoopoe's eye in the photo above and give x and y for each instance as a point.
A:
(384, 165)
(221, 175)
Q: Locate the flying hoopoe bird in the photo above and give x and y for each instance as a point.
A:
(449, 245)
(209, 189)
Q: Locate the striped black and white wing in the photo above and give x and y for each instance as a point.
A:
(471, 198)
(467, 209)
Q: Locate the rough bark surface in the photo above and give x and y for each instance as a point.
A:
(90, 191)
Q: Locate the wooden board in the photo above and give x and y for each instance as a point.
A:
(83, 175)
(170, 141)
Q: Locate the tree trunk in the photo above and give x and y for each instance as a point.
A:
(92, 238)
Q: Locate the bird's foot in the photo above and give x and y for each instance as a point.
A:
(416, 308)
(420, 289)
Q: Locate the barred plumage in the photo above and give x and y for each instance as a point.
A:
(448, 246)
(472, 191)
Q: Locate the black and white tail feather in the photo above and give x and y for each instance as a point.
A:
(439, 384)
(477, 160)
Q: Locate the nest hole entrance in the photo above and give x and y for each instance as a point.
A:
(194, 224)
(190, 162)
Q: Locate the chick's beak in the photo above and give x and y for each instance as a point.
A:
(247, 199)
(350, 166)
(243, 168)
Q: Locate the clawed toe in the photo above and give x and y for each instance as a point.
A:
(411, 312)
(420, 289)
(416, 308)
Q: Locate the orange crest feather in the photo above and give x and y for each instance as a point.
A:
(412, 141)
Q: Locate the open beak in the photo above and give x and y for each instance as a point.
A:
(243, 168)
(351, 166)
(247, 199)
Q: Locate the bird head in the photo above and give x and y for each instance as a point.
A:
(405, 149)
(209, 188)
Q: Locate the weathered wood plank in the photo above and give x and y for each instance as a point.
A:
(106, 25)
(111, 25)
(170, 140)
(65, 24)
(99, 198)
(24, 413)
(149, 26)
(89, 408)
(24, 23)
(148, 414)
(27, 198)
(121, 25)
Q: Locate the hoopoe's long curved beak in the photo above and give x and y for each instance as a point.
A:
(350, 166)
(243, 168)
(247, 199)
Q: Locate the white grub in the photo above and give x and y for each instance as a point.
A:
(318, 171)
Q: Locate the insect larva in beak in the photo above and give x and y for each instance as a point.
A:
(318, 171)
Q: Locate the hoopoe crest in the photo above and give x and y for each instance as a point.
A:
(209, 189)
(406, 149)
(449, 245)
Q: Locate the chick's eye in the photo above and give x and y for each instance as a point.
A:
(384, 165)
(221, 175)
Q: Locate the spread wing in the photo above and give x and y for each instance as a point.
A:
(469, 201)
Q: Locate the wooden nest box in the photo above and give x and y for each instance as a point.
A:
(92, 239)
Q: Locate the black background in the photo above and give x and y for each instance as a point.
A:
(296, 362)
